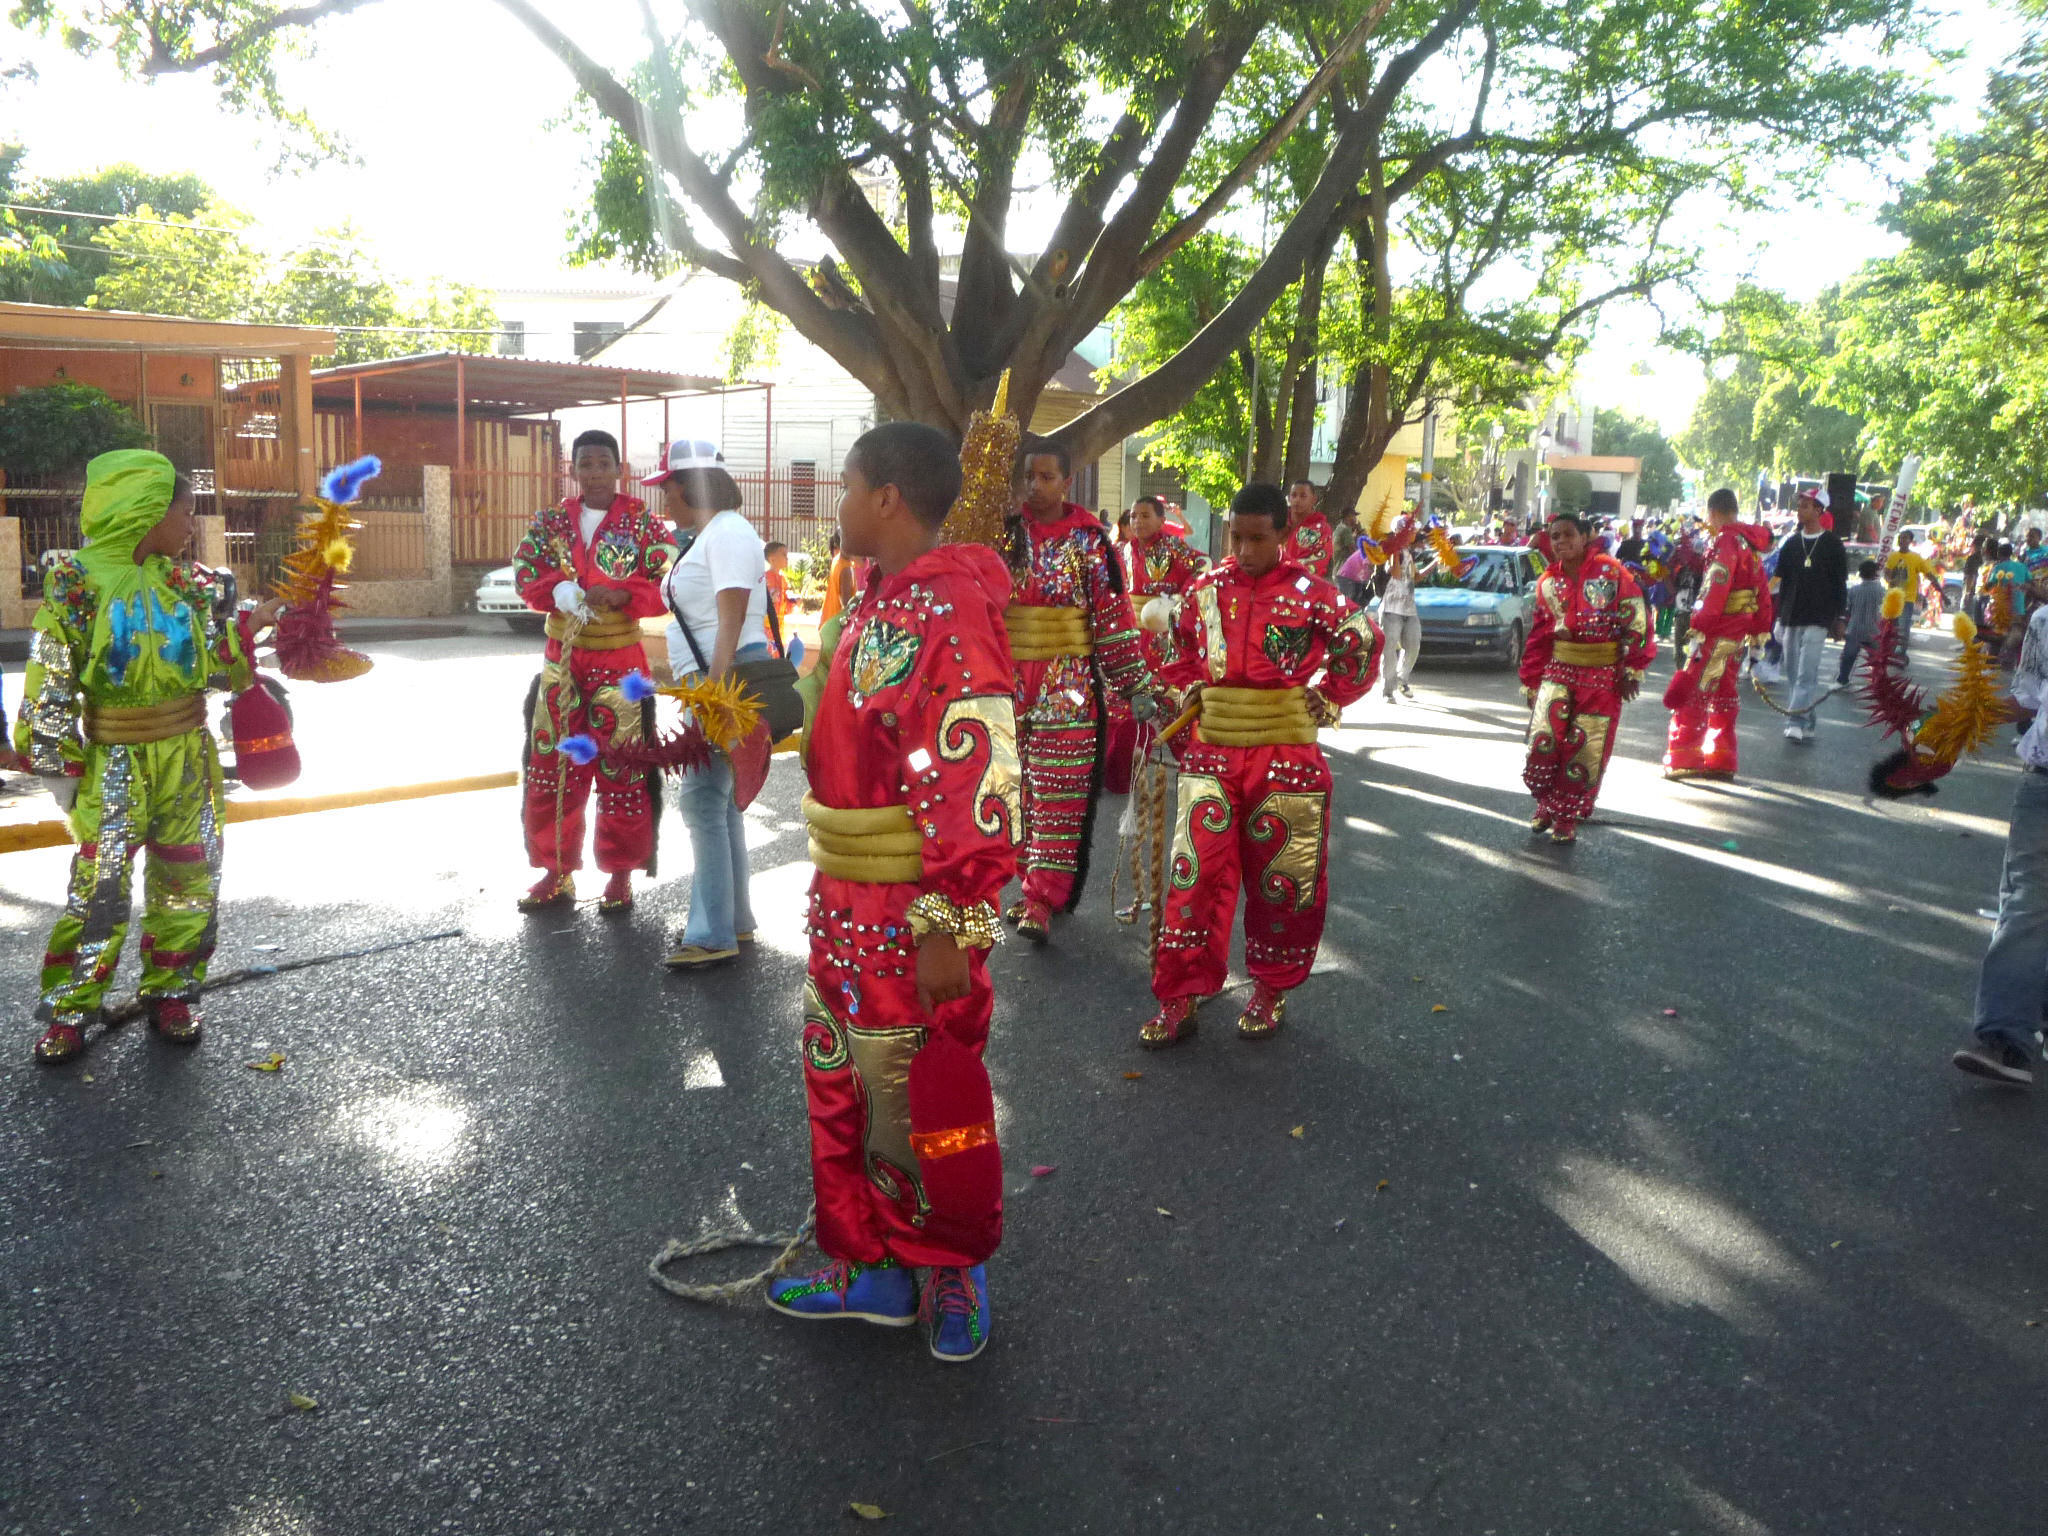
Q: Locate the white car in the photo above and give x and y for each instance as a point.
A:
(498, 594)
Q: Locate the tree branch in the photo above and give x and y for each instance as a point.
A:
(162, 61)
(1255, 159)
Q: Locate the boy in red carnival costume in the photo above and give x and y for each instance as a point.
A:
(1156, 564)
(594, 566)
(1074, 639)
(1311, 543)
(1734, 613)
(1272, 653)
(1590, 644)
(914, 813)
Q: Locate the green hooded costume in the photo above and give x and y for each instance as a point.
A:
(114, 712)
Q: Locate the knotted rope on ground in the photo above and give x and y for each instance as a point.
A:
(717, 1241)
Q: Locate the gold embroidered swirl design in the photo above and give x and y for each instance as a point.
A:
(999, 797)
(1295, 870)
(825, 1048)
(1202, 804)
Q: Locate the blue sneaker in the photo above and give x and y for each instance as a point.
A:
(955, 1306)
(884, 1293)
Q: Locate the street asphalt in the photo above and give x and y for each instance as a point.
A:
(1625, 1188)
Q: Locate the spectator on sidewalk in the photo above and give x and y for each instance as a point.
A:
(1812, 589)
(1866, 599)
(2012, 984)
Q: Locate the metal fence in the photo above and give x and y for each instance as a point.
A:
(493, 508)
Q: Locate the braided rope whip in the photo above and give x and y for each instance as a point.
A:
(717, 1241)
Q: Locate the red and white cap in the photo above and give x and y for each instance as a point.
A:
(1818, 495)
(687, 453)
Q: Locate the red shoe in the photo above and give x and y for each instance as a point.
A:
(618, 892)
(60, 1042)
(1262, 1016)
(1564, 830)
(1173, 1023)
(550, 890)
(174, 1020)
(1034, 922)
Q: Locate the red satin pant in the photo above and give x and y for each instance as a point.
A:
(904, 1160)
(1702, 738)
(1256, 818)
(579, 696)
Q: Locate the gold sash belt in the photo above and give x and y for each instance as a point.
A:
(112, 726)
(1256, 717)
(1040, 634)
(1580, 653)
(1741, 602)
(877, 845)
(608, 630)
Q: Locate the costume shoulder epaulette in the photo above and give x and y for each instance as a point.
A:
(63, 579)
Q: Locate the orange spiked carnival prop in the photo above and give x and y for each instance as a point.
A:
(308, 649)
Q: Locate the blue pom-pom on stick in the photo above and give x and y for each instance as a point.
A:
(580, 750)
(345, 482)
(638, 687)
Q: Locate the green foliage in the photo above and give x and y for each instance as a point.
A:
(56, 429)
(1659, 485)
(1571, 490)
(236, 43)
(203, 269)
(1768, 408)
(753, 344)
(113, 192)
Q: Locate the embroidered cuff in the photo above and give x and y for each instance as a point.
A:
(1320, 709)
(972, 927)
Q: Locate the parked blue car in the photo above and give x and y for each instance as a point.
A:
(1484, 612)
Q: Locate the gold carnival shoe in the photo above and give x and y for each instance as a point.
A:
(1540, 822)
(60, 1042)
(1013, 914)
(1264, 1014)
(1034, 922)
(550, 891)
(1564, 832)
(1173, 1023)
(618, 892)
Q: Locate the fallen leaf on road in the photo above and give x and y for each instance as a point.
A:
(867, 1511)
(274, 1062)
(2030, 1323)
(1162, 1210)
(303, 1404)
(1438, 1008)
(1340, 1224)
(1670, 1013)
(1298, 1132)
(1044, 1170)
(87, 1076)
(1132, 1077)
(156, 1173)
(1379, 1186)
(1415, 978)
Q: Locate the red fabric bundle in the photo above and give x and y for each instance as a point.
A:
(265, 756)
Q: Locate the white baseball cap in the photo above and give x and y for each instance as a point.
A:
(1820, 495)
(687, 453)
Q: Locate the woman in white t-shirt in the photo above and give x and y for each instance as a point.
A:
(718, 605)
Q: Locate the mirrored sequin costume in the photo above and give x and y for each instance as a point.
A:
(1311, 544)
(1277, 655)
(120, 661)
(1074, 638)
(577, 692)
(1162, 568)
(1592, 630)
(914, 812)
(1704, 695)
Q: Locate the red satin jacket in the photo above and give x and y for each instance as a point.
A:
(631, 549)
(1601, 603)
(1277, 630)
(918, 711)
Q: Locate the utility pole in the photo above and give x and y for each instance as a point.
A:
(1428, 467)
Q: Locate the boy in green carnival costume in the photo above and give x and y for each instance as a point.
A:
(127, 642)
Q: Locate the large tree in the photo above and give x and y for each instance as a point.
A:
(71, 210)
(1658, 485)
(1152, 123)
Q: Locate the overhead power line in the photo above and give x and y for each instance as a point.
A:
(135, 218)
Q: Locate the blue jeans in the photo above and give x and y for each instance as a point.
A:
(719, 908)
(1852, 648)
(1803, 645)
(2012, 987)
(1912, 612)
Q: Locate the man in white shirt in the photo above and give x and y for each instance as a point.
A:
(2012, 986)
(1400, 621)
